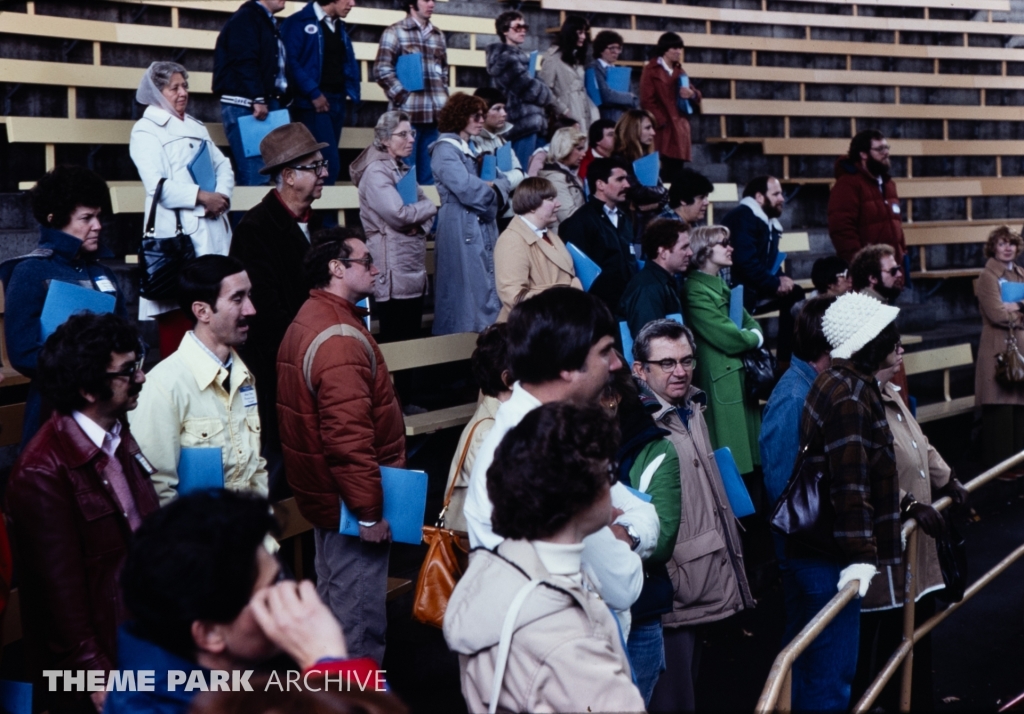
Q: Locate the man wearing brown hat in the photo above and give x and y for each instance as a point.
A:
(271, 240)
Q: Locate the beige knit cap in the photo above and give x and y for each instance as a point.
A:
(853, 320)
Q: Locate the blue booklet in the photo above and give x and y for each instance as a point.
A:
(409, 70)
(586, 269)
(684, 105)
(365, 304)
(407, 188)
(645, 497)
(736, 306)
(504, 157)
(735, 489)
(675, 317)
(405, 503)
(590, 84)
(200, 469)
(200, 168)
(253, 130)
(646, 169)
(533, 63)
(488, 167)
(618, 78)
(627, 341)
(1011, 292)
(779, 260)
(15, 697)
(65, 299)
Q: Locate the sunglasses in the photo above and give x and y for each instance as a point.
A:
(519, 28)
(893, 272)
(136, 366)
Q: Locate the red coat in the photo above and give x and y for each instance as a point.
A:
(859, 214)
(70, 539)
(335, 443)
(658, 94)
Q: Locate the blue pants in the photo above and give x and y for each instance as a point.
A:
(646, 648)
(325, 127)
(426, 134)
(247, 169)
(524, 147)
(822, 675)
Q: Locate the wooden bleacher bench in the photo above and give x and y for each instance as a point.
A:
(944, 359)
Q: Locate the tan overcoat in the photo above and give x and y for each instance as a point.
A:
(995, 322)
(525, 264)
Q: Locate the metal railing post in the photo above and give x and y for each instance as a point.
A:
(909, 607)
(785, 703)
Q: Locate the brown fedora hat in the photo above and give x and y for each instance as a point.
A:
(287, 143)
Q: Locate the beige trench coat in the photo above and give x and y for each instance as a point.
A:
(994, 330)
(920, 469)
(525, 264)
(567, 84)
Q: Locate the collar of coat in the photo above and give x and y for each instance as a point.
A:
(183, 127)
(457, 141)
(564, 170)
(205, 370)
(658, 407)
(76, 448)
(755, 208)
(561, 258)
(999, 268)
(358, 313)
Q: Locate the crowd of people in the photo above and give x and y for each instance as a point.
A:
(590, 479)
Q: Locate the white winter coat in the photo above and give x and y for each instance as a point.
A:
(162, 147)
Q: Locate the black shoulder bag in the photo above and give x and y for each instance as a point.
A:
(162, 258)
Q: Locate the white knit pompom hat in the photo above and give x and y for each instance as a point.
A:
(853, 320)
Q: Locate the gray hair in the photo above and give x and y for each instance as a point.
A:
(702, 240)
(655, 329)
(386, 126)
(161, 72)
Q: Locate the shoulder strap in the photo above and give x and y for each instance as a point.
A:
(335, 331)
(505, 643)
(458, 469)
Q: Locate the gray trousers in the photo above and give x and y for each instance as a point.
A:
(352, 579)
(674, 691)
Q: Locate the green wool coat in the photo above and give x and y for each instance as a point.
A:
(732, 419)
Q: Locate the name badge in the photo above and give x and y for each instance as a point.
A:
(896, 208)
(144, 463)
(248, 396)
(310, 29)
(105, 286)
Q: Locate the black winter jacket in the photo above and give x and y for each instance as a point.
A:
(245, 60)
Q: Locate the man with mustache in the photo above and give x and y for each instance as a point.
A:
(203, 396)
(863, 207)
(76, 495)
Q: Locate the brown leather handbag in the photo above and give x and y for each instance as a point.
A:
(446, 561)
(1010, 362)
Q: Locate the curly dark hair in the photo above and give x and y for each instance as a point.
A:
(549, 468)
(456, 112)
(76, 357)
(60, 191)
(490, 359)
(604, 39)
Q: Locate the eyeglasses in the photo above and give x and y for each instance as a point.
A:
(843, 275)
(519, 28)
(366, 262)
(883, 149)
(316, 167)
(479, 116)
(894, 271)
(669, 365)
(411, 134)
(725, 243)
(136, 366)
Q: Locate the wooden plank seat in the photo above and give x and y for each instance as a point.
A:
(427, 352)
(941, 359)
(899, 147)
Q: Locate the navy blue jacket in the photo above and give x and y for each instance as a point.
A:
(652, 294)
(245, 62)
(26, 281)
(305, 52)
(590, 230)
(755, 247)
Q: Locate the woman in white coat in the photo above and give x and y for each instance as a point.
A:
(164, 143)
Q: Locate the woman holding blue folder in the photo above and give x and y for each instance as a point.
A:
(167, 143)
(663, 86)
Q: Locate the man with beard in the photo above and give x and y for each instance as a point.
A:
(863, 208)
(203, 397)
(755, 231)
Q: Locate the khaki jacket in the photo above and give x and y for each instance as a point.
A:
(473, 435)
(525, 265)
(568, 86)
(707, 563)
(920, 469)
(566, 653)
(994, 331)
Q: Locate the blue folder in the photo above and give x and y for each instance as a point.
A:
(200, 469)
(488, 167)
(590, 84)
(675, 317)
(65, 299)
(409, 69)
(200, 168)
(504, 157)
(15, 697)
(646, 169)
(586, 269)
(365, 304)
(253, 130)
(645, 497)
(407, 188)
(405, 503)
(684, 104)
(627, 341)
(533, 63)
(735, 489)
(618, 78)
(736, 306)
(1011, 292)
(780, 258)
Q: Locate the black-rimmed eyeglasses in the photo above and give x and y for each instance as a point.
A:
(669, 365)
(316, 167)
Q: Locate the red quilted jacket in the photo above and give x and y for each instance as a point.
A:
(859, 214)
(335, 442)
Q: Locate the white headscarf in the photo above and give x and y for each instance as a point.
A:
(148, 93)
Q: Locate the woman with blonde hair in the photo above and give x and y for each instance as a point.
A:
(635, 139)
(1002, 405)
(568, 147)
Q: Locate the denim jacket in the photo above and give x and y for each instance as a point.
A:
(780, 426)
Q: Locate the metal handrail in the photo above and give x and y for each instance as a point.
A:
(776, 695)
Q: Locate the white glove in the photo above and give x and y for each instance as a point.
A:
(858, 571)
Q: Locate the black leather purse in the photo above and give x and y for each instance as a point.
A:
(804, 512)
(760, 365)
(162, 259)
(952, 561)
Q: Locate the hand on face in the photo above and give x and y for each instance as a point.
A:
(293, 617)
